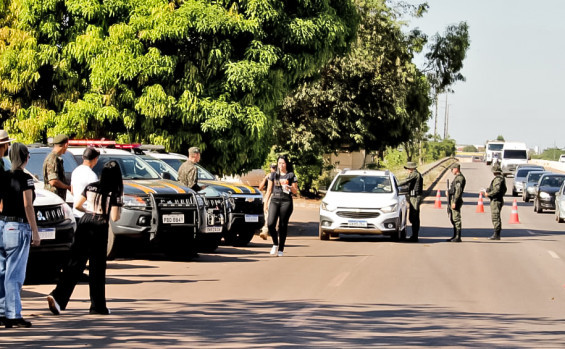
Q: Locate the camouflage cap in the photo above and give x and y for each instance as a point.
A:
(194, 150)
(496, 168)
(455, 165)
(410, 165)
(60, 139)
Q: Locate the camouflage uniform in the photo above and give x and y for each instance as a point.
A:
(53, 169)
(415, 186)
(188, 175)
(495, 192)
(456, 193)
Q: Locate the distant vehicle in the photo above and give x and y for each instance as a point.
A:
(548, 186)
(562, 158)
(520, 178)
(492, 149)
(530, 183)
(513, 154)
(363, 202)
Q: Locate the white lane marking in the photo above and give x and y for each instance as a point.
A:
(339, 279)
(553, 254)
(300, 317)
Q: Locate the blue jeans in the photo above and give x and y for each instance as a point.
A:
(15, 239)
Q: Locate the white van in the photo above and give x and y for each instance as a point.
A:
(513, 154)
(493, 150)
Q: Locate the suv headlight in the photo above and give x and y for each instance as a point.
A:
(544, 195)
(68, 212)
(134, 202)
(389, 209)
(327, 207)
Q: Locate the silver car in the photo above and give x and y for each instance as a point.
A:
(520, 178)
(530, 183)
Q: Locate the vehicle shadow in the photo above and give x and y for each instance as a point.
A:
(302, 323)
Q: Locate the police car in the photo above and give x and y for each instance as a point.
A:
(154, 209)
(246, 216)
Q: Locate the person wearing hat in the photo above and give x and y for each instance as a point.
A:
(53, 169)
(4, 145)
(456, 201)
(265, 230)
(415, 184)
(188, 172)
(83, 176)
(495, 193)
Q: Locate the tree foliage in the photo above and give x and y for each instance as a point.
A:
(369, 99)
(181, 73)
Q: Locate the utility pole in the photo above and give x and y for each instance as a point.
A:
(445, 120)
(435, 120)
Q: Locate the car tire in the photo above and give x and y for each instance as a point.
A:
(208, 244)
(514, 193)
(526, 198)
(558, 216)
(323, 235)
(112, 244)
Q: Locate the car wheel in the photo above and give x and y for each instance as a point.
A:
(323, 235)
(558, 215)
(238, 238)
(514, 193)
(112, 248)
(208, 244)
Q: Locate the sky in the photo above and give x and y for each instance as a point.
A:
(514, 70)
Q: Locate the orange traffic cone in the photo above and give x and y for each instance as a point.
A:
(438, 200)
(514, 215)
(480, 206)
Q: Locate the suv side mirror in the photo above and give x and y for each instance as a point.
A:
(166, 175)
(403, 190)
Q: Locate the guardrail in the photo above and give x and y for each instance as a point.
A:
(444, 165)
(554, 165)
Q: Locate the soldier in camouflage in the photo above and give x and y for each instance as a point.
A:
(495, 193)
(456, 201)
(415, 186)
(53, 169)
(188, 172)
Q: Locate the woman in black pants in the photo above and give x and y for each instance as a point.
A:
(282, 184)
(103, 201)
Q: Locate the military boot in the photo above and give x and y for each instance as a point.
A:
(453, 237)
(495, 236)
(457, 237)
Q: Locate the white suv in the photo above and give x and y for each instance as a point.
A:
(363, 202)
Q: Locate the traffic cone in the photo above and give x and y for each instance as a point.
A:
(480, 205)
(438, 200)
(514, 215)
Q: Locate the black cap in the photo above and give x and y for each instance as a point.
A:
(90, 154)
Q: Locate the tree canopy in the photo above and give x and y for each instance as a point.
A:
(182, 73)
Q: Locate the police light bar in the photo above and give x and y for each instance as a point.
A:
(154, 147)
(127, 146)
(91, 142)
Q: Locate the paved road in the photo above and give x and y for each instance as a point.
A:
(349, 292)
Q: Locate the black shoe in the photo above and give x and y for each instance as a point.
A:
(104, 311)
(494, 237)
(53, 305)
(9, 323)
(455, 239)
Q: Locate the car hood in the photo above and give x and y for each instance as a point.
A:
(153, 186)
(230, 188)
(361, 200)
(45, 198)
(549, 190)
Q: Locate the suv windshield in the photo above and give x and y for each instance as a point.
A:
(495, 147)
(362, 184)
(552, 181)
(132, 166)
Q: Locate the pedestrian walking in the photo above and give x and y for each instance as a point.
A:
(83, 176)
(18, 230)
(495, 193)
(53, 169)
(263, 186)
(456, 201)
(188, 172)
(415, 187)
(281, 185)
(4, 145)
(104, 200)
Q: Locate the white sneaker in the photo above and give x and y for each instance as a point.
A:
(280, 254)
(274, 249)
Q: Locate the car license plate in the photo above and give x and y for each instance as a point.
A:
(214, 229)
(173, 218)
(47, 233)
(251, 218)
(357, 224)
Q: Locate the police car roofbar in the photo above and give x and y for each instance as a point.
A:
(90, 142)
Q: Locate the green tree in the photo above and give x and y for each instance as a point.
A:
(500, 138)
(369, 99)
(470, 149)
(180, 73)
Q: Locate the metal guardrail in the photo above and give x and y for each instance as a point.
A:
(445, 163)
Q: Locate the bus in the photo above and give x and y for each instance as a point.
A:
(493, 149)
